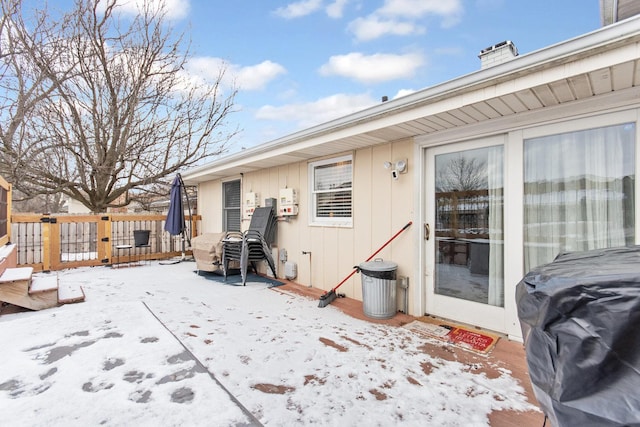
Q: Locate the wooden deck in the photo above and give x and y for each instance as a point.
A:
(506, 354)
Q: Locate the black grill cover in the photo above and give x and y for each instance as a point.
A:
(580, 319)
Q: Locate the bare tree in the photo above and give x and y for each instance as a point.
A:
(22, 88)
(111, 108)
(462, 174)
(41, 203)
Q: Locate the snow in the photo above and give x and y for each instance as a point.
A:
(159, 345)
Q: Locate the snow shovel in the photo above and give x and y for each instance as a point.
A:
(329, 296)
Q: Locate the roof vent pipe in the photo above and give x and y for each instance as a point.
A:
(497, 54)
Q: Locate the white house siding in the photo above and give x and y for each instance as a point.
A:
(76, 207)
(210, 206)
(381, 206)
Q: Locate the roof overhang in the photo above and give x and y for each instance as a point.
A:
(597, 63)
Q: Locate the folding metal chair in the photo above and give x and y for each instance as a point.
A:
(231, 250)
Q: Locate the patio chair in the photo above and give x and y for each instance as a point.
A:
(141, 240)
(231, 250)
(255, 248)
(264, 221)
(251, 246)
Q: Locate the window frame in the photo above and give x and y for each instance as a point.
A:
(227, 209)
(314, 219)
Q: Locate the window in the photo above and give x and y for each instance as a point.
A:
(331, 191)
(231, 206)
(470, 224)
(579, 192)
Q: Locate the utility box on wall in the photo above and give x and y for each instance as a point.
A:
(251, 202)
(290, 270)
(288, 202)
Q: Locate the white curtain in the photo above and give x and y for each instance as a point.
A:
(575, 193)
(496, 238)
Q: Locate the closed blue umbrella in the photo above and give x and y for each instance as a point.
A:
(175, 217)
(175, 223)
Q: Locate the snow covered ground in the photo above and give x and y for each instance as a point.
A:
(159, 345)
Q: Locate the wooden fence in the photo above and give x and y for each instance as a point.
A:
(56, 242)
(5, 211)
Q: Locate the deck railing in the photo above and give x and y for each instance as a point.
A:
(56, 242)
(5, 211)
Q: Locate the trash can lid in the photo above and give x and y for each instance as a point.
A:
(378, 264)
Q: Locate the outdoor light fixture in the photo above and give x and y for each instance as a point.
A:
(399, 167)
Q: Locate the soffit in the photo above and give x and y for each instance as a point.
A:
(575, 88)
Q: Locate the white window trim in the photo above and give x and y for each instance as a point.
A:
(328, 222)
(223, 202)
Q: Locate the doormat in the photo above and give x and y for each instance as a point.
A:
(481, 342)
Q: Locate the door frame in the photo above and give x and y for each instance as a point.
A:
(477, 314)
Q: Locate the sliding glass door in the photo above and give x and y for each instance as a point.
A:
(465, 224)
(497, 207)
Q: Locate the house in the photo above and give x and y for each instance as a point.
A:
(498, 170)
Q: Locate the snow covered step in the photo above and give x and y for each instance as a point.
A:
(41, 284)
(18, 286)
(6, 250)
(69, 293)
(16, 274)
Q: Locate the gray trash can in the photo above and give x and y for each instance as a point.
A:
(379, 288)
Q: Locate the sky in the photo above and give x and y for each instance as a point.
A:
(159, 345)
(301, 63)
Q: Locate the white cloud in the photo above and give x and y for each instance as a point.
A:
(373, 68)
(307, 7)
(373, 27)
(256, 77)
(404, 92)
(312, 113)
(253, 77)
(418, 8)
(335, 9)
(398, 17)
(207, 67)
(175, 9)
(298, 9)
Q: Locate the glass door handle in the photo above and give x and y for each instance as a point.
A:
(427, 231)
